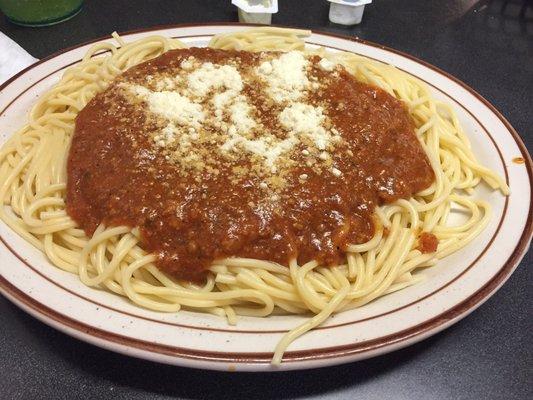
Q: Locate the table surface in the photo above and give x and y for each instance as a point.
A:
(487, 355)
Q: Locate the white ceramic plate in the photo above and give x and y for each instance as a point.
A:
(454, 288)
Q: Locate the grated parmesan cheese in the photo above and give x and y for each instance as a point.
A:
(305, 119)
(204, 113)
(336, 172)
(326, 65)
(165, 84)
(210, 76)
(285, 76)
(222, 100)
(187, 64)
(240, 115)
(172, 106)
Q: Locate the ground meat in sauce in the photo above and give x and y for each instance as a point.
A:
(115, 176)
(427, 243)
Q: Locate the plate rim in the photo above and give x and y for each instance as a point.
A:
(335, 354)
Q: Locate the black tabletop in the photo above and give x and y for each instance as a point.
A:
(487, 355)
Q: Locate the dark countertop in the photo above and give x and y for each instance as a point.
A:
(487, 355)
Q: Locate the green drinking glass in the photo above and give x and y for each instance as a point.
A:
(39, 12)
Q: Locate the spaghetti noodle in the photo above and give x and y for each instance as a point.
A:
(33, 188)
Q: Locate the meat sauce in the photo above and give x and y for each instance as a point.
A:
(117, 177)
(427, 243)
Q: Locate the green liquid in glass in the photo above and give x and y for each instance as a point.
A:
(39, 12)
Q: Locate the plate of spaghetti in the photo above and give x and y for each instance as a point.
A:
(253, 198)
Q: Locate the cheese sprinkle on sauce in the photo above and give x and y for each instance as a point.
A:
(203, 103)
